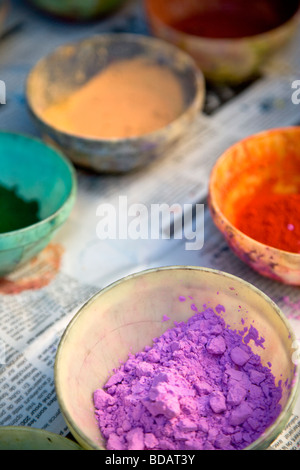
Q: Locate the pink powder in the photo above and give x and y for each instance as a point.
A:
(199, 387)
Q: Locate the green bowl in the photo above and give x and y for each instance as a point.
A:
(77, 9)
(26, 438)
(40, 173)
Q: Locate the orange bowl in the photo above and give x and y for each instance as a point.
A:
(272, 155)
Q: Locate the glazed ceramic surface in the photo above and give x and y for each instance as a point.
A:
(268, 156)
(230, 61)
(126, 316)
(71, 66)
(39, 173)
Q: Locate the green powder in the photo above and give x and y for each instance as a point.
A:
(15, 212)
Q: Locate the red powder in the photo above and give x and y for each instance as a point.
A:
(272, 219)
(232, 19)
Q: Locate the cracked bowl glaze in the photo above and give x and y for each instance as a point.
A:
(72, 65)
(225, 61)
(272, 155)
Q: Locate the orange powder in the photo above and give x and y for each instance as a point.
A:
(129, 98)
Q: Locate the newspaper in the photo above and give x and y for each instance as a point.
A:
(38, 301)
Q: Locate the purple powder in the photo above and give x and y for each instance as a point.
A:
(220, 308)
(165, 318)
(198, 387)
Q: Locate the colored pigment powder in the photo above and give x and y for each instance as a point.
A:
(272, 219)
(129, 98)
(230, 19)
(16, 213)
(199, 387)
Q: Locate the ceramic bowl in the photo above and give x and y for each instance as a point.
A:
(224, 60)
(77, 9)
(71, 66)
(125, 317)
(271, 155)
(39, 173)
(27, 438)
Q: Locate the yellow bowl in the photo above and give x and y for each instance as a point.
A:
(224, 59)
(272, 155)
(71, 66)
(125, 317)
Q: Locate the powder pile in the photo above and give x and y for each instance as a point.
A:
(199, 387)
(272, 219)
(16, 213)
(127, 99)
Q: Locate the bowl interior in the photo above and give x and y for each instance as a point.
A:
(76, 9)
(37, 171)
(270, 158)
(222, 18)
(71, 66)
(126, 317)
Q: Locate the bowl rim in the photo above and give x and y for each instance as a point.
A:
(196, 103)
(286, 411)
(70, 199)
(15, 430)
(216, 209)
(262, 36)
